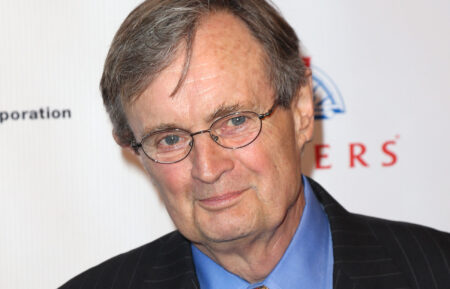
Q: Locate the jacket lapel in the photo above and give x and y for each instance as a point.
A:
(360, 261)
(173, 267)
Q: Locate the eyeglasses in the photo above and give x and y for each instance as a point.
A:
(232, 131)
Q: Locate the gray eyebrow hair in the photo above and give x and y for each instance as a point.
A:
(223, 110)
(163, 126)
(220, 111)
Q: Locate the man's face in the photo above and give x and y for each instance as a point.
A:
(218, 194)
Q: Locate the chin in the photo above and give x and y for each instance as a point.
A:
(222, 233)
(228, 237)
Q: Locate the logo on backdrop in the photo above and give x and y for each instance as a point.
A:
(328, 100)
(34, 114)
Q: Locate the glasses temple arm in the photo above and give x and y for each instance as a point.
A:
(263, 115)
(135, 146)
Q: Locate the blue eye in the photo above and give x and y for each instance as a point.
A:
(171, 139)
(238, 120)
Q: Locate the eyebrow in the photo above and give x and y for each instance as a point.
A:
(223, 110)
(163, 126)
(220, 111)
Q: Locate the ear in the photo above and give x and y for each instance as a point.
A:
(302, 107)
(125, 146)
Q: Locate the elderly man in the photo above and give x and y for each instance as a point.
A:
(213, 98)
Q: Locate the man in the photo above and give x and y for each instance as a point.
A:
(213, 98)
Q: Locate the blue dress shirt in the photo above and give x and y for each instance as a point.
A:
(307, 262)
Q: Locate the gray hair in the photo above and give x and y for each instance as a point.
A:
(150, 36)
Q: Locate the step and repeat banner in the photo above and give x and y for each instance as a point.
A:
(70, 197)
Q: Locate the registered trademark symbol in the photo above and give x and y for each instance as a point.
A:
(397, 136)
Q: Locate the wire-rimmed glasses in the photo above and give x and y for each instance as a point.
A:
(232, 131)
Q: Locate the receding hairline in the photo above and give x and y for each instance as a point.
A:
(148, 39)
(184, 48)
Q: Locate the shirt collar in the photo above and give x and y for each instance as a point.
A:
(307, 262)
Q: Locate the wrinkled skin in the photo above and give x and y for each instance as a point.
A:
(241, 207)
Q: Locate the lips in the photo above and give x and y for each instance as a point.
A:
(222, 201)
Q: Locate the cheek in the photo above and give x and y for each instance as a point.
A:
(262, 168)
(171, 181)
(173, 184)
(275, 164)
(269, 155)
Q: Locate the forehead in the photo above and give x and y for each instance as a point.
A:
(226, 69)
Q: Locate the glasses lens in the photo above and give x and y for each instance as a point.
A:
(167, 146)
(236, 130)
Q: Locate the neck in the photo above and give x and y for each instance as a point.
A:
(254, 257)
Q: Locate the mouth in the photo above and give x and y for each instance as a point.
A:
(221, 201)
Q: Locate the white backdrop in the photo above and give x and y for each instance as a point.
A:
(70, 198)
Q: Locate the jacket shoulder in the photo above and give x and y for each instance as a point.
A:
(378, 253)
(422, 252)
(126, 269)
(401, 231)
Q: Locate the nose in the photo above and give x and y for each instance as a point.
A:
(209, 160)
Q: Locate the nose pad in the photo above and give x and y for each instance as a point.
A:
(214, 137)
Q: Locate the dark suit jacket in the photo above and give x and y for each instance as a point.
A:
(368, 253)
